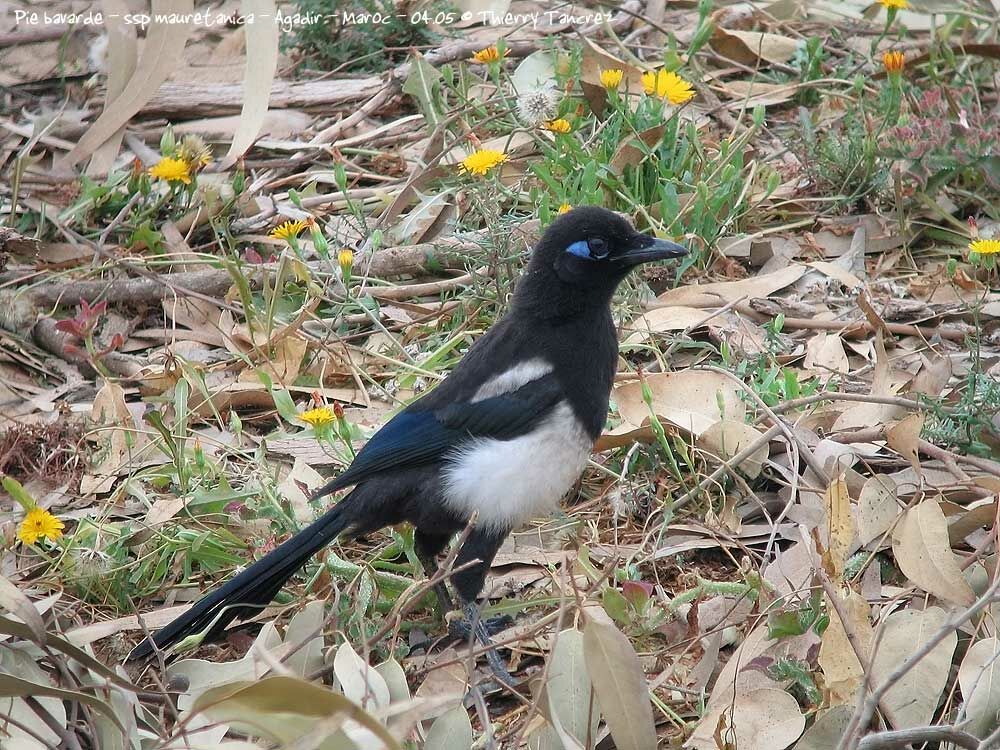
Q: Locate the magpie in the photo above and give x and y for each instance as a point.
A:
(500, 440)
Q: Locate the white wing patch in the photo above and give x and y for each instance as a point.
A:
(517, 376)
(511, 481)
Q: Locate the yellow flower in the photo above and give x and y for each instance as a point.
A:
(565, 208)
(611, 79)
(288, 231)
(482, 161)
(172, 170)
(895, 4)
(894, 61)
(195, 151)
(985, 247)
(559, 126)
(318, 417)
(345, 258)
(667, 85)
(37, 524)
(489, 55)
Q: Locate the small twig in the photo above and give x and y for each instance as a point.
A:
(920, 736)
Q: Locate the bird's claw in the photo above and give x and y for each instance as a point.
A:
(462, 628)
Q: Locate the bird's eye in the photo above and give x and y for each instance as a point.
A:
(598, 247)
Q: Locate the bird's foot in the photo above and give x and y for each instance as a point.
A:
(462, 627)
(473, 625)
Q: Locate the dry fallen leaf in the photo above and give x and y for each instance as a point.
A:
(841, 528)
(727, 437)
(877, 507)
(914, 698)
(691, 400)
(842, 671)
(922, 550)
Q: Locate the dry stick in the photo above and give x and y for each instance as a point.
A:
(851, 329)
(950, 459)
(863, 717)
(918, 736)
(798, 403)
(210, 283)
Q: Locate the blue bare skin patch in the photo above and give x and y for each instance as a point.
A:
(580, 249)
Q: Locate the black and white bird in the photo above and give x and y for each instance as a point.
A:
(503, 437)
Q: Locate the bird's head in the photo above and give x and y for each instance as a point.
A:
(585, 253)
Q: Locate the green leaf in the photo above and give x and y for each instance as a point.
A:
(616, 605)
(450, 731)
(619, 682)
(285, 710)
(422, 84)
(14, 488)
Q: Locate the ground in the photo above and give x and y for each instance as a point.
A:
(231, 248)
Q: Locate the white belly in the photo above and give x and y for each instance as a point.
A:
(511, 481)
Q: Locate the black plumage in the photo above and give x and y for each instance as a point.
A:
(520, 411)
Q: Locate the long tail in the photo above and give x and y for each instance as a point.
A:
(252, 589)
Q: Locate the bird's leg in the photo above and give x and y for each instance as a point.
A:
(427, 547)
(482, 634)
(480, 548)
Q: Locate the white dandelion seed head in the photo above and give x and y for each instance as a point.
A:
(536, 106)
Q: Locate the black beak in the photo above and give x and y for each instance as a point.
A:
(642, 249)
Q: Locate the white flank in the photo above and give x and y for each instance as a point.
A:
(511, 481)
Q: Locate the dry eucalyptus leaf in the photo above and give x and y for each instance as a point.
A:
(841, 528)
(762, 719)
(359, 681)
(842, 672)
(825, 353)
(979, 677)
(722, 292)
(665, 319)
(692, 400)
(914, 698)
(922, 550)
(620, 683)
(748, 47)
(904, 438)
(877, 507)
(113, 421)
(727, 437)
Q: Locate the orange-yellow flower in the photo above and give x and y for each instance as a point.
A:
(39, 523)
(611, 78)
(667, 85)
(489, 55)
(985, 247)
(172, 170)
(895, 4)
(288, 231)
(894, 61)
(565, 208)
(559, 125)
(318, 417)
(482, 161)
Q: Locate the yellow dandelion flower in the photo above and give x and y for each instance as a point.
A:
(895, 4)
(39, 523)
(318, 417)
(489, 55)
(565, 208)
(611, 78)
(345, 258)
(482, 161)
(195, 151)
(985, 247)
(894, 61)
(559, 125)
(288, 231)
(667, 85)
(172, 170)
